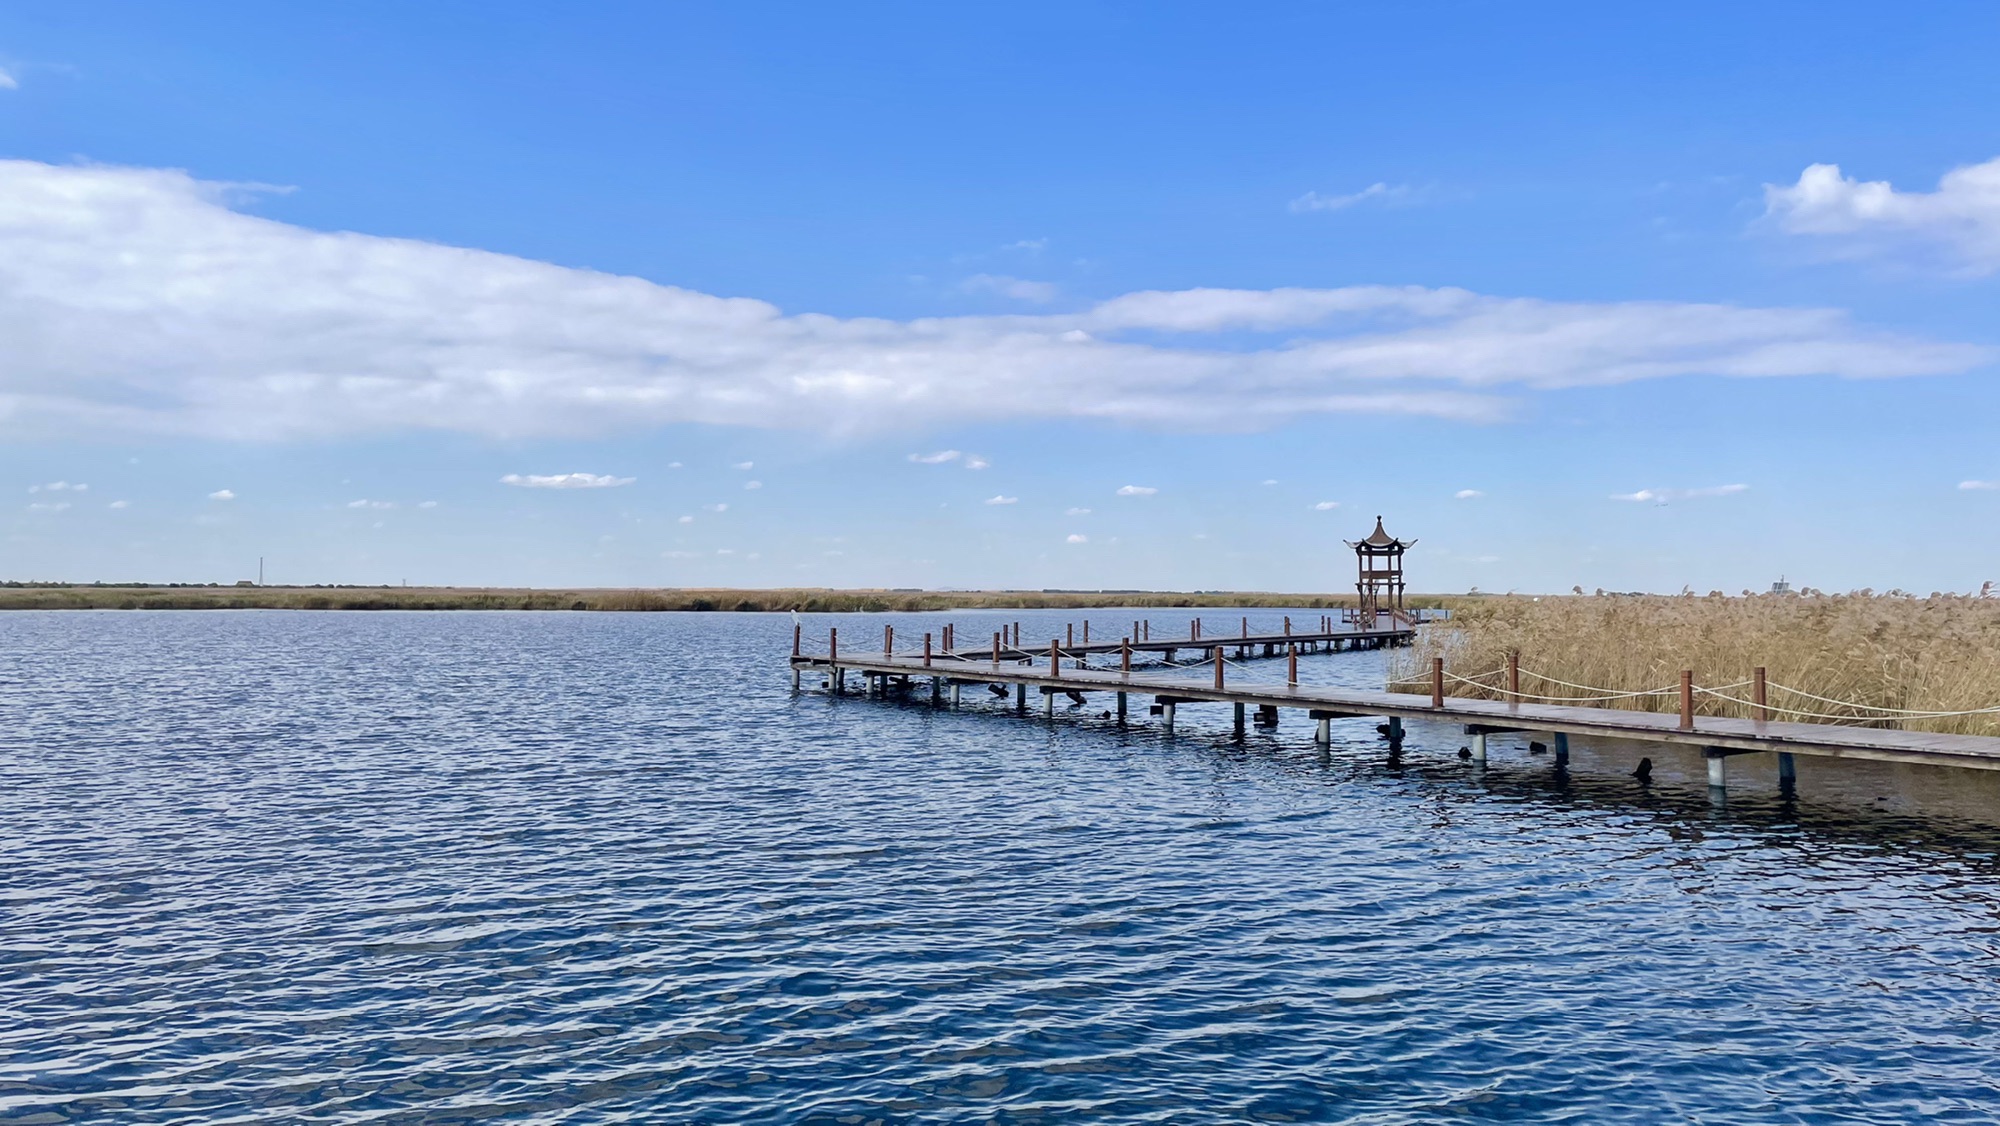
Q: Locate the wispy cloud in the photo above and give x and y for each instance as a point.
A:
(565, 481)
(1076, 512)
(1019, 289)
(1960, 220)
(1075, 537)
(974, 461)
(119, 504)
(222, 494)
(1979, 484)
(239, 327)
(8, 81)
(48, 506)
(1386, 193)
(686, 520)
(1326, 506)
(1269, 481)
(371, 504)
(1467, 494)
(744, 465)
(1029, 245)
(753, 484)
(716, 507)
(427, 504)
(1003, 500)
(59, 487)
(1136, 490)
(1668, 496)
(938, 458)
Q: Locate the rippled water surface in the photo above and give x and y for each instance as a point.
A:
(282, 867)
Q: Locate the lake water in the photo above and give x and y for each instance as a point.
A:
(441, 868)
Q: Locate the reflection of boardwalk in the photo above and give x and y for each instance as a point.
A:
(1719, 738)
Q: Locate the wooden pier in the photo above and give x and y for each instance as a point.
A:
(1059, 670)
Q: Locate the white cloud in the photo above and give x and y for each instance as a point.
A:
(136, 300)
(1979, 484)
(8, 82)
(1003, 500)
(1467, 494)
(1019, 289)
(222, 494)
(1960, 220)
(1030, 245)
(1668, 496)
(58, 487)
(673, 465)
(1313, 201)
(938, 458)
(1077, 538)
(565, 481)
(974, 461)
(119, 504)
(744, 465)
(716, 507)
(753, 484)
(686, 520)
(1136, 490)
(1269, 481)
(1326, 506)
(1076, 512)
(428, 504)
(371, 504)
(679, 554)
(44, 506)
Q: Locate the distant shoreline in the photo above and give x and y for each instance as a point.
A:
(91, 596)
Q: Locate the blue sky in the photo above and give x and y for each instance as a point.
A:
(688, 295)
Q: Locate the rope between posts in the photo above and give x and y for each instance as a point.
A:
(1909, 712)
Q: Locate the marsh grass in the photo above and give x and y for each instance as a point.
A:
(1938, 654)
(143, 597)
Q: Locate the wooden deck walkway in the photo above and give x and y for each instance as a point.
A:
(1719, 738)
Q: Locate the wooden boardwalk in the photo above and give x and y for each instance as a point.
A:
(1719, 738)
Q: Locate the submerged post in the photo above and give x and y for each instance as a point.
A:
(1239, 721)
(1687, 699)
(1718, 769)
(1757, 693)
(1437, 682)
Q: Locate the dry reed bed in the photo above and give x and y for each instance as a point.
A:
(1937, 654)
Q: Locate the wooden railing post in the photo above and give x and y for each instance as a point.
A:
(832, 642)
(1687, 699)
(1437, 682)
(1055, 657)
(996, 648)
(927, 649)
(1757, 693)
(1086, 631)
(1288, 625)
(1513, 676)
(1218, 668)
(1292, 666)
(1125, 657)
(888, 640)
(1246, 626)
(797, 635)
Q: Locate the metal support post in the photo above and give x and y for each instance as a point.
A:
(1479, 748)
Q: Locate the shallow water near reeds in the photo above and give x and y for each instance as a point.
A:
(465, 867)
